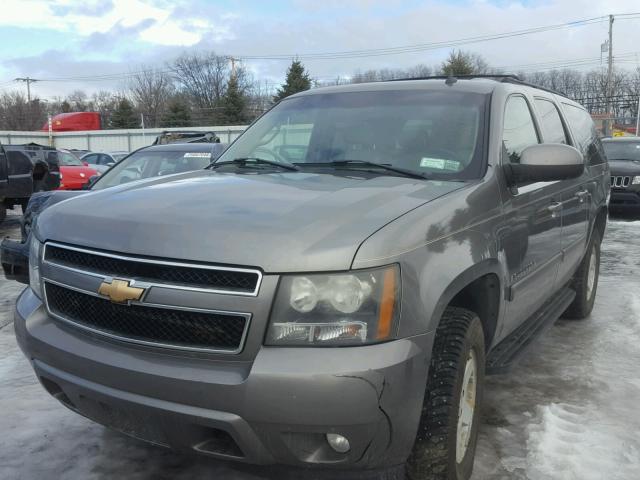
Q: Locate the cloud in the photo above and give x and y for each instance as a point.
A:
(135, 32)
(100, 17)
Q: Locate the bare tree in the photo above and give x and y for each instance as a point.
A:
(150, 90)
(202, 76)
(79, 101)
(16, 113)
(104, 102)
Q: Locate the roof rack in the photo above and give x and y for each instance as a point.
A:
(502, 78)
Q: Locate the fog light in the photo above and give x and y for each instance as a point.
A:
(339, 443)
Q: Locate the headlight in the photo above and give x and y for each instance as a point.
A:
(354, 308)
(635, 181)
(35, 252)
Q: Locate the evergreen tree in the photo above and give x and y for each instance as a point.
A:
(464, 63)
(233, 104)
(178, 114)
(124, 116)
(298, 80)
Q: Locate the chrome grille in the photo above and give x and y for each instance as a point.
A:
(147, 324)
(620, 181)
(229, 280)
(169, 306)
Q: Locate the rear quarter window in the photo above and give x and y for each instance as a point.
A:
(584, 134)
(552, 127)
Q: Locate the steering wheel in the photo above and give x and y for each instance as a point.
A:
(260, 151)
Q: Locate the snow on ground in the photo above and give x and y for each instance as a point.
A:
(567, 411)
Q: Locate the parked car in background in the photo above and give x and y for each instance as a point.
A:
(78, 152)
(623, 154)
(25, 169)
(101, 161)
(143, 163)
(74, 173)
(185, 136)
(331, 291)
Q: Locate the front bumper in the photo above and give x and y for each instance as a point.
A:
(624, 199)
(273, 409)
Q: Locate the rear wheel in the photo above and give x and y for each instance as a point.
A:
(445, 444)
(3, 212)
(585, 281)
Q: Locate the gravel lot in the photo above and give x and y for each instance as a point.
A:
(567, 411)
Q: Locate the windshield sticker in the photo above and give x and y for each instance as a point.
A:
(197, 155)
(440, 164)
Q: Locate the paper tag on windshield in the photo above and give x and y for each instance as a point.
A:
(197, 155)
(440, 164)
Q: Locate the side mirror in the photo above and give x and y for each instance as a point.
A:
(90, 182)
(14, 257)
(546, 163)
(86, 164)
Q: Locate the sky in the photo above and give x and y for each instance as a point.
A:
(98, 40)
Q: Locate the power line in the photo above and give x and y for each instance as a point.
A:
(424, 46)
(358, 53)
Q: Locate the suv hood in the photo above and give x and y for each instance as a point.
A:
(624, 167)
(285, 222)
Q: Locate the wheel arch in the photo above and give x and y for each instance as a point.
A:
(600, 222)
(479, 289)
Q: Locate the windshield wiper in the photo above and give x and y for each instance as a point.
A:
(248, 161)
(364, 163)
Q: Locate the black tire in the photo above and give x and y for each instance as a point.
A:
(3, 212)
(434, 452)
(583, 303)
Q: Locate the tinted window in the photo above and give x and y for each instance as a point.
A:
(151, 163)
(585, 134)
(429, 132)
(551, 123)
(519, 129)
(105, 159)
(69, 160)
(91, 158)
(622, 150)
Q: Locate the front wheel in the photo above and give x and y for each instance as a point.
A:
(585, 281)
(445, 444)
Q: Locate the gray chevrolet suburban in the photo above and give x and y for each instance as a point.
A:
(331, 292)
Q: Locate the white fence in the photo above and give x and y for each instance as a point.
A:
(110, 140)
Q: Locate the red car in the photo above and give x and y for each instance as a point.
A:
(74, 173)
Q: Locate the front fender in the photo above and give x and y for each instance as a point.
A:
(441, 247)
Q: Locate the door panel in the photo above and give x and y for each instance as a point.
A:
(532, 244)
(531, 240)
(575, 223)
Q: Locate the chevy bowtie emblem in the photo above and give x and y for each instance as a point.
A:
(119, 291)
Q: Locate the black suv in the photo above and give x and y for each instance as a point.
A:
(623, 154)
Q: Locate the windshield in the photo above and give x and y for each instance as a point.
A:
(622, 150)
(69, 160)
(427, 132)
(149, 163)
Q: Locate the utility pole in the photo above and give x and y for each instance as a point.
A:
(609, 79)
(28, 81)
(233, 66)
(638, 119)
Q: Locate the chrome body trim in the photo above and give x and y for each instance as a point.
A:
(254, 293)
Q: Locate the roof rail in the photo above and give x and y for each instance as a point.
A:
(502, 78)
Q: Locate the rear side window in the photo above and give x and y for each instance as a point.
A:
(519, 129)
(550, 122)
(584, 132)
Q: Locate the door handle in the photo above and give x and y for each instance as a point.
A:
(582, 195)
(554, 208)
